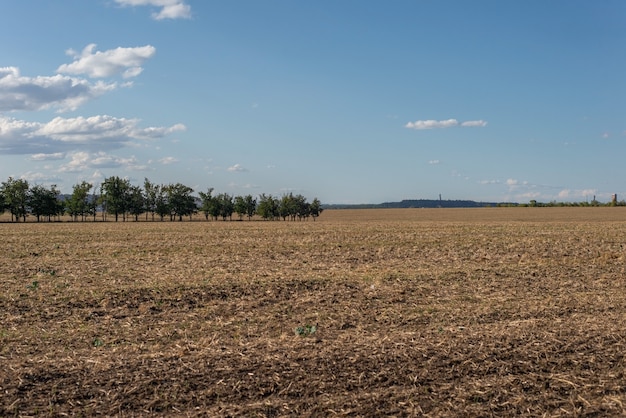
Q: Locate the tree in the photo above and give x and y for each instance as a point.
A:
(250, 204)
(316, 208)
(293, 207)
(44, 202)
(227, 206)
(78, 204)
(15, 197)
(3, 205)
(151, 191)
(207, 203)
(245, 206)
(115, 192)
(302, 208)
(136, 201)
(268, 207)
(286, 206)
(162, 206)
(181, 202)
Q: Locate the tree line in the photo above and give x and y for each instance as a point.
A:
(116, 198)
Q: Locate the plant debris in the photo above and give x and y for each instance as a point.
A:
(475, 312)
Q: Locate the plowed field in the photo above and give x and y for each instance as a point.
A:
(443, 312)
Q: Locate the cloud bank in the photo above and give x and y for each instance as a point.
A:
(44, 140)
(64, 93)
(169, 9)
(101, 64)
(442, 124)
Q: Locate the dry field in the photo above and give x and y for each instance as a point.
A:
(442, 312)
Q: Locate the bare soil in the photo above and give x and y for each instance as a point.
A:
(446, 312)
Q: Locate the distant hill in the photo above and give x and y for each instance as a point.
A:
(422, 203)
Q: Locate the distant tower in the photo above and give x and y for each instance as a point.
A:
(614, 199)
(440, 197)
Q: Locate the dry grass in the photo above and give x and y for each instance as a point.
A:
(472, 312)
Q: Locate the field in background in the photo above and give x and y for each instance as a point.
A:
(440, 312)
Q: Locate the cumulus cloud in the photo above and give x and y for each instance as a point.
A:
(441, 124)
(36, 177)
(474, 124)
(431, 124)
(101, 64)
(47, 157)
(65, 134)
(434, 162)
(168, 160)
(81, 161)
(237, 168)
(169, 9)
(64, 93)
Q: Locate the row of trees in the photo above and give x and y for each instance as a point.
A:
(120, 199)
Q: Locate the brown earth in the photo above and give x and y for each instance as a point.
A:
(443, 312)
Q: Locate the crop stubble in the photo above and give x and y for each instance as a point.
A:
(418, 312)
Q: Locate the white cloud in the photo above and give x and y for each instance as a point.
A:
(431, 124)
(159, 132)
(65, 93)
(474, 124)
(434, 162)
(79, 162)
(237, 168)
(168, 160)
(442, 124)
(47, 157)
(100, 64)
(82, 161)
(169, 9)
(35, 177)
(65, 134)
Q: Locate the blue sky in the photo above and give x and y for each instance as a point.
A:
(351, 101)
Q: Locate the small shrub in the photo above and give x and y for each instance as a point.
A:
(306, 330)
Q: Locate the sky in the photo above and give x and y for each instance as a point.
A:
(348, 101)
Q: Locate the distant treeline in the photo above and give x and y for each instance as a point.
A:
(420, 203)
(119, 199)
(432, 203)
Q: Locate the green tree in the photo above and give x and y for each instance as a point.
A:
(207, 201)
(162, 206)
(286, 207)
(151, 191)
(302, 207)
(136, 202)
(16, 197)
(293, 207)
(250, 204)
(245, 206)
(315, 208)
(181, 202)
(3, 204)
(44, 202)
(115, 196)
(268, 207)
(79, 202)
(227, 206)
